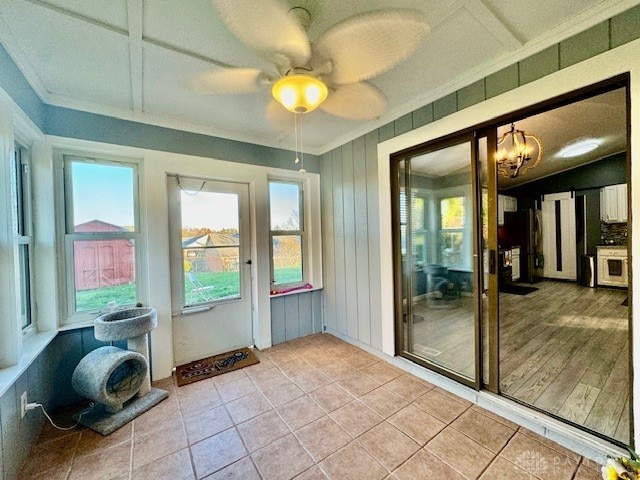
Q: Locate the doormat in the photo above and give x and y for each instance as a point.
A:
(625, 303)
(216, 365)
(516, 289)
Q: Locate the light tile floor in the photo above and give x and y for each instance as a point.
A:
(313, 408)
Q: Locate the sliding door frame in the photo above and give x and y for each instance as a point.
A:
(396, 171)
(488, 129)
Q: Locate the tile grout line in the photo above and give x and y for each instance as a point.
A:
(193, 463)
(133, 431)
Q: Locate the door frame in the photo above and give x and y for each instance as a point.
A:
(180, 312)
(489, 129)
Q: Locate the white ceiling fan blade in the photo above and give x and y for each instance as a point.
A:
(366, 45)
(229, 80)
(280, 118)
(355, 101)
(266, 27)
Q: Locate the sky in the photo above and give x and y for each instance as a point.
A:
(283, 198)
(102, 192)
(209, 210)
(105, 192)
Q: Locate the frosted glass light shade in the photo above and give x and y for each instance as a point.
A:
(300, 93)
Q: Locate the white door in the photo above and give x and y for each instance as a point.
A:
(210, 267)
(559, 236)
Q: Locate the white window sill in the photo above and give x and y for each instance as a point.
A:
(32, 346)
(76, 326)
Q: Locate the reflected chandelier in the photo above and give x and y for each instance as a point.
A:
(517, 152)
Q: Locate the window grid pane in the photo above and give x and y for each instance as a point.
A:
(25, 285)
(284, 200)
(21, 193)
(452, 212)
(102, 197)
(287, 259)
(104, 272)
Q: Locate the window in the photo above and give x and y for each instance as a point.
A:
(101, 235)
(419, 232)
(286, 233)
(452, 224)
(24, 235)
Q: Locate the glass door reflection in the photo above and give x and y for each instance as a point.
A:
(438, 283)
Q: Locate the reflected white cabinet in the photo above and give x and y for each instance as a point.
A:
(515, 263)
(506, 204)
(613, 203)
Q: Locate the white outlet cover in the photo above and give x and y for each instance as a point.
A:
(23, 404)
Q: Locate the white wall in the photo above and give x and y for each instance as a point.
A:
(155, 227)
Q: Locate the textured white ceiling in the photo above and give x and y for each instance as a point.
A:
(132, 58)
(602, 118)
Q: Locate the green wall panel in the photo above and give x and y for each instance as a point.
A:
(387, 131)
(625, 27)
(423, 115)
(445, 106)
(502, 81)
(403, 124)
(542, 63)
(584, 45)
(471, 94)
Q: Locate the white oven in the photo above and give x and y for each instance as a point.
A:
(612, 266)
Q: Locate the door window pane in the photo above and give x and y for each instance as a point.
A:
(210, 245)
(211, 274)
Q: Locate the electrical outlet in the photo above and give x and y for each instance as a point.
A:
(23, 404)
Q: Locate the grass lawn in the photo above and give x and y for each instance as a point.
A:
(198, 289)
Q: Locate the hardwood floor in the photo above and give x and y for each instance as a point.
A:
(563, 349)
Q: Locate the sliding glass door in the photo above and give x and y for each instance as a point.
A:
(511, 258)
(438, 270)
(564, 332)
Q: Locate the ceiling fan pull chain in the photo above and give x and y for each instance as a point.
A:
(301, 170)
(295, 129)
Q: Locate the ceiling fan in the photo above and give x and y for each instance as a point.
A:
(329, 73)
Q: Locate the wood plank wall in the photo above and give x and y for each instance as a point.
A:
(349, 179)
(349, 188)
(295, 315)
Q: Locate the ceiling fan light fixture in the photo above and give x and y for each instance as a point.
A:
(300, 93)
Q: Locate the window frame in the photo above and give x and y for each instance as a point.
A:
(23, 233)
(275, 289)
(67, 236)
